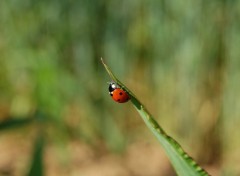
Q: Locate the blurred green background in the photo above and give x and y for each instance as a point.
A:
(181, 59)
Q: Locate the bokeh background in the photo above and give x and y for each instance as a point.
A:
(181, 59)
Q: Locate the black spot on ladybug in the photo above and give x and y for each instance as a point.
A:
(118, 100)
(120, 93)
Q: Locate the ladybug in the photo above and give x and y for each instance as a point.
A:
(118, 94)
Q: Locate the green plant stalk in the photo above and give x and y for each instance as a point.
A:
(181, 161)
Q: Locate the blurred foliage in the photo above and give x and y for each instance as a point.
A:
(180, 57)
(37, 164)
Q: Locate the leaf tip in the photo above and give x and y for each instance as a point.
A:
(102, 60)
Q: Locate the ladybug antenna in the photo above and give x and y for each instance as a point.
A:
(110, 82)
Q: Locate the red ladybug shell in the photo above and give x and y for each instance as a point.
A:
(118, 94)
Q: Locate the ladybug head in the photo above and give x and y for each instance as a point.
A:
(112, 86)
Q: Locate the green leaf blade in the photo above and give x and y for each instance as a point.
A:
(181, 161)
(37, 166)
